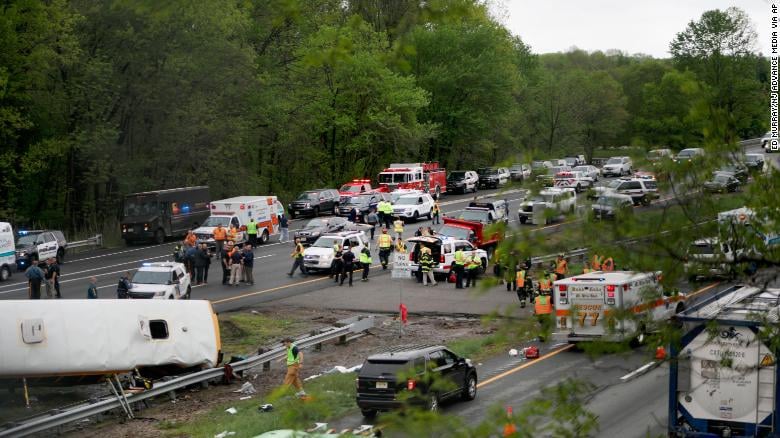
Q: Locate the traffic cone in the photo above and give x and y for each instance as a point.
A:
(660, 353)
(509, 428)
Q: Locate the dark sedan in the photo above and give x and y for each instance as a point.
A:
(721, 183)
(317, 227)
(739, 171)
(754, 162)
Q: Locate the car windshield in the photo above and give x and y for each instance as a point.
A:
(686, 153)
(135, 207)
(650, 184)
(610, 201)
(350, 188)
(376, 368)
(327, 242)
(455, 232)
(701, 248)
(316, 223)
(393, 177)
(307, 196)
(614, 184)
(582, 169)
(557, 169)
(457, 175)
(213, 221)
(721, 179)
(27, 239)
(487, 171)
(407, 200)
(571, 161)
(151, 277)
(517, 167)
(753, 158)
(614, 161)
(475, 215)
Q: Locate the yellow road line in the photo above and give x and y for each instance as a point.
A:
(702, 290)
(523, 366)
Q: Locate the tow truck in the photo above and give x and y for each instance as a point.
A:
(473, 229)
(427, 177)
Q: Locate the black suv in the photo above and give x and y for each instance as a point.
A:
(314, 202)
(39, 245)
(385, 378)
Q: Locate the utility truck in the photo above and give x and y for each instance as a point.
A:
(723, 373)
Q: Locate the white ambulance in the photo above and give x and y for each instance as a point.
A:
(265, 210)
(612, 306)
(7, 251)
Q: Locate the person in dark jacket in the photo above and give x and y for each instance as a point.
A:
(248, 263)
(200, 260)
(53, 276)
(35, 277)
(124, 286)
(349, 264)
(225, 261)
(353, 213)
(189, 261)
(208, 264)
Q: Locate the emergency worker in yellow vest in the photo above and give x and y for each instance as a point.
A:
(458, 266)
(522, 285)
(473, 265)
(385, 244)
(398, 227)
(586, 268)
(596, 263)
(543, 310)
(294, 360)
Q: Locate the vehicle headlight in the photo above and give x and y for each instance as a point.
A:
(146, 227)
(160, 293)
(307, 205)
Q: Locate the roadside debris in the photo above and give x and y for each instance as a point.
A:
(268, 407)
(224, 434)
(247, 389)
(231, 411)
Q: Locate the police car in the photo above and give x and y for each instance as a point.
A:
(161, 281)
(39, 245)
(319, 256)
(443, 252)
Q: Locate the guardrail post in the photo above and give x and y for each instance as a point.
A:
(267, 366)
(317, 346)
(342, 340)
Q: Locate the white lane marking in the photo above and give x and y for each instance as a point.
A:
(116, 253)
(643, 369)
(103, 274)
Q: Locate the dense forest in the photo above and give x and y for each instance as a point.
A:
(103, 97)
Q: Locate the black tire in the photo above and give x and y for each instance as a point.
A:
(368, 413)
(645, 201)
(679, 309)
(470, 388)
(5, 273)
(484, 265)
(316, 211)
(189, 293)
(170, 297)
(416, 216)
(60, 256)
(264, 237)
(523, 219)
(578, 189)
(159, 236)
(292, 215)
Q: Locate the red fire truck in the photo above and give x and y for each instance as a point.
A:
(418, 176)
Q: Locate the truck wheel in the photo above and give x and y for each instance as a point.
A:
(264, 237)
(60, 256)
(368, 413)
(5, 273)
(159, 236)
(470, 390)
(523, 219)
(484, 265)
(645, 201)
(416, 216)
(189, 293)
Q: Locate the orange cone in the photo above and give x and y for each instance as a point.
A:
(660, 353)
(509, 427)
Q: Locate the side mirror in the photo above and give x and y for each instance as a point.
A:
(461, 361)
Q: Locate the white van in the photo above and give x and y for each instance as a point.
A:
(584, 303)
(265, 210)
(7, 251)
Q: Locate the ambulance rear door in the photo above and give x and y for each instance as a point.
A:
(587, 307)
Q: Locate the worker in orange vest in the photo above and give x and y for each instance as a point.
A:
(596, 264)
(190, 240)
(233, 234)
(220, 235)
(586, 268)
(608, 265)
(543, 307)
(522, 286)
(561, 267)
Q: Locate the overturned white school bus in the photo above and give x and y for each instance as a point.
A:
(79, 339)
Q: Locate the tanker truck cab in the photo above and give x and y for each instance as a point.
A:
(238, 211)
(7, 251)
(612, 306)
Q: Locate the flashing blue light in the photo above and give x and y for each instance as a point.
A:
(146, 264)
(185, 208)
(22, 233)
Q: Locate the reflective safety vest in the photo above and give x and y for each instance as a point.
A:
(596, 265)
(521, 278)
(220, 234)
(608, 265)
(561, 267)
(473, 262)
(336, 248)
(398, 226)
(385, 241)
(292, 360)
(385, 207)
(233, 233)
(298, 251)
(251, 227)
(587, 270)
(542, 305)
(191, 239)
(426, 262)
(460, 258)
(436, 208)
(365, 258)
(545, 284)
(400, 246)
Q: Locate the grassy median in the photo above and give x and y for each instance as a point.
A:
(242, 333)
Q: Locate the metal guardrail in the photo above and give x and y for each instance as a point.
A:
(80, 412)
(96, 240)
